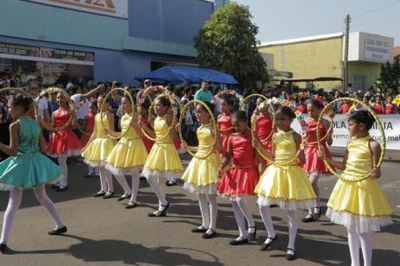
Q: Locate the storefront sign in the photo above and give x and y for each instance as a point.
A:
(341, 136)
(115, 8)
(26, 52)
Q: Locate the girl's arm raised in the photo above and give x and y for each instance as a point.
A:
(12, 149)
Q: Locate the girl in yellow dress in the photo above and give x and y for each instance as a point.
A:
(201, 175)
(284, 182)
(129, 154)
(97, 149)
(360, 206)
(163, 161)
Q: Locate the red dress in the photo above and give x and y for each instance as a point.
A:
(242, 177)
(64, 141)
(147, 142)
(264, 129)
(89, 129)
(313, 162)
(226, 129)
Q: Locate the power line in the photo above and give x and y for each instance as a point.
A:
(376, 9)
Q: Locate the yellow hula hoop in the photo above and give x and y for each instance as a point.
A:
(122, 134)
(381, 130)
(150, 117)
(70, 106)
(323, 138)
(214, 124)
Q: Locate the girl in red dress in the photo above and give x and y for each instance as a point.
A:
(264, 129)
(224, 122)
(314, 165)
(88, 129)
(241, 179)
(64, 143)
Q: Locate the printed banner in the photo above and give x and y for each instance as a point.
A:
(26, 52)
(115, 8)
(341, 136)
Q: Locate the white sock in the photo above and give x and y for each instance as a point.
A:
(246, 210)
(292, 229)
(158, 190)
(354, 247)
(204, 210)
(135, 185)
(106, 180)
(212, 200)
(42, 197)
(267, 220)
(239, 217)
(124, 184)
(90, 170)
(366, 247)
(13, 204)
(314, 177)
(62, 162)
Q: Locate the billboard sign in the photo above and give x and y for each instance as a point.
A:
(370, 47)
(115, 8)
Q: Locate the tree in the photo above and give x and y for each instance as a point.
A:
(227, 43)
(390, 76)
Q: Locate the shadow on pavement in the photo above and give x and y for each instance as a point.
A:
(89, 250)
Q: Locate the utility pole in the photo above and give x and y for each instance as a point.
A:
(346, 54)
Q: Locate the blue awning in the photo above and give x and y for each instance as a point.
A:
(179, 74)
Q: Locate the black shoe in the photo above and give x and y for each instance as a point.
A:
(199, 229)
(308, 218)
(125, 196)
(209, 235)
(289, 255)
(99, 194)
(160, 213)
(61, 189)
(58, 231)
(252, 235)
(3, 248)
(108, 195)
(240, 241)
(170, 183)
(131, 205)
(89, 175)
(54, 186)
(266, 246)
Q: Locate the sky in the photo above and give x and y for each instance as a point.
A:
(289, 19)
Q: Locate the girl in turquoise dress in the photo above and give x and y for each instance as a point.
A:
(27, 167)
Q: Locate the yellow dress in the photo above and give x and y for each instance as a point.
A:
(129, 154)
(201, 175)
(97, 151)
(284, 182)
(163, 160)
(360, 206)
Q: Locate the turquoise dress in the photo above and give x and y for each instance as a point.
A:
(29, 168)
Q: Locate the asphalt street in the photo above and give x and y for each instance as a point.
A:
(103, 232)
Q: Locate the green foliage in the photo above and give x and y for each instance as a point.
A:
(390, 76)
(227, 43)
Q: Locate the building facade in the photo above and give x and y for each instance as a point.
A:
(98, 40)
(322, 56)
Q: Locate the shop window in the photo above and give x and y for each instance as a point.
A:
(360, 82)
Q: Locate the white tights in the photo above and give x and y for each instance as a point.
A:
(357, 240)
(241, 210)
(62, 162)
(158, 188)
(208, 209)
(266, 217)
(314, 177)
(106, 181)
(15, 201)
(135, 185)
